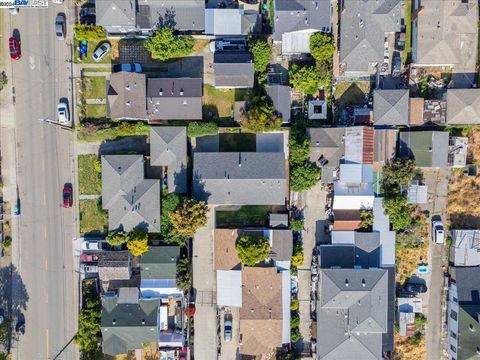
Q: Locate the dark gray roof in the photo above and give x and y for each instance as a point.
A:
(467, 280)
(182, 15)
(174, 99)
(463, 106)
(128, 326)
(115, 13)
(233, 70)
(239, 178)
(297, 15)
(282, 245)
(280, 97)
(427, 148)
(160, 262)
(362, 31)
(168, 147)
(278, 220)
(367, 249)
(391, 107)
(341, 256)
(126, 96)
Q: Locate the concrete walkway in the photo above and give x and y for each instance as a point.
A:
(96, 102)
(89, 197)
(96, 73)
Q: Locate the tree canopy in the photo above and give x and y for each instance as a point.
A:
(304, 78)
(252, 249)
(137, 242)
(398, 172)
(87, 337)
(188, 218)
(261, 52)
(116, 238)
(299, 150)
(297, 256)
(321, 46)
(184, 276)
(325, 73)
(304, 176)
(164, 45)
(260, 117)
(366, 220)
(170, 202)
(399, 212)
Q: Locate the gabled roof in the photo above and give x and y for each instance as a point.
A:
(281, 98)
(463, 106)
(168, 147)
(282, 244)
(126, 95)
(466, 247)
(233, 70)
(160, 262)
(231, 21)
(384, 148)
(181, 15)
(225, 253)
(427, 148)
(115, 13)
(391, 107)
(467, 281)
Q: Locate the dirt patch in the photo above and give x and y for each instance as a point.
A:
(406, 351)
(463, 195)
(474, 144)
(199, 45)
(351, 93)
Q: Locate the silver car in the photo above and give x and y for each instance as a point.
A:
(60, 26)
(227, 329)
(62, 112)
(101, 51)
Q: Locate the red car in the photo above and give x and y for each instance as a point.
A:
(67, 196)
(14, 46)
(88, 258)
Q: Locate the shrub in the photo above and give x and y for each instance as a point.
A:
(164, 45)
(399, 212)
(297, 255)
(294, 305)
(304, 78)
(184, 276)
(296, 224)
(321, 46)
(260, 117)
(170, 202)
(188, 218)
(7, 242)
(198, 129)
(252, 249)
(304, 176)
(295, 335)
(295, 320)
(366, 217)
(415, 339)
(89, 32)
(3, 80)
(299, 150)
(261, 52)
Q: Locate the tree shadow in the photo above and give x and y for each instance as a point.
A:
(167, 19)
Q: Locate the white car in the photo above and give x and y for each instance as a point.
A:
(438, 232)
(101, 51)
(62, 113)
(93, 244)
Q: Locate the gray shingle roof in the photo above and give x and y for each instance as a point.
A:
(463, 106)
(131, 200)
(281, 98)
(174, 99)
(168, 147)
(239, 178)
(128, 326)
(282, 245)
(467, 280)
(160, 262)
(182, 15)
(233, 70)
(391, 107)
(115, 13)
(362, 31)
(427, 148)
(126, 95)
(232, 22)
(297, 15)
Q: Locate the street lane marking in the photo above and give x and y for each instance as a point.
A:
(46, 342)
(44, 199)
(32, 62)
(45, 232)
(46, 264)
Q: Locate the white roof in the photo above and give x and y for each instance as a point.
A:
(223, 21)
(343, 237)
(155, 288)
(229, 288)
(286, 298)
(381, 223)
(356, 173)
(297, 42)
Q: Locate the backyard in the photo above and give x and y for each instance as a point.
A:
(218, 103)
(95, 111)
(91, 47)
(93, 219)
(245, 216)
(90, 181)
(351, 93)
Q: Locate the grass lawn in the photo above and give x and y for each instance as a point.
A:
(351, 93)
(117, 130)
(91, 69)
(408, 32)
(95, 87)
(249, 215)
(92, 217)
(92, 46)
(96, 111)
(230, 142)
(218, 101)
(89, 179)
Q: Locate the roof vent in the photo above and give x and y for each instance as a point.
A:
(471, 328)
(181, 92)
(478, 350)
(143, 321)
(276, 18)
(114, 322)
(172, 258)
(363, 282)
(361, 23)
(127, 87)
(430, 149)
(346, 282)
(252, 310)
(160, 92)
(128, 103)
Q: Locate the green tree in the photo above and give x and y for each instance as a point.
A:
(294, 305)
(304, 176)
(295, 320)
(399, 212)
(137, 242)
(321, 46)
(261, 52)
(260, 117)
(87, 337)
(296, 224)
(424, 89)
(4, 332)
(7, 242)
(252, 249)
(420, 321)
(366, 220)
(297, 255)
(164, 45)
(188, 218)
(304, 78)
(299, 150)
(184, 275)
(295, 335)
(325, 73)
(3, 356)
(116, 238)
(398, 172)
(170, 202)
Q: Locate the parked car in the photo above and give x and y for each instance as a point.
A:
(93, 244)
(17, 210)
(67, 196)
(415, 288)
(438, 232)
(20, 327)
(397, 65)
(90, 268)
(63, 114)
(87, 11)
(101, 51)
(60, 26)
(89, 258)
(227, 328)
(137, 68)
(13, 10)
(15, 51)
(88, 20)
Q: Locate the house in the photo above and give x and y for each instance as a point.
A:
(391, 107)
(463, 106)
(354, 189)
(346, 220)
(296, 20)
(168, 148)
(114, 267)
(278, 221)
(131, 200)
(158, 270)
(364, 26)
(446, 34)
(384, 147)
(281, 247)
(225, 253)
(233, 70)
(463, 309)
(232, 22)
(317, 109)
(465, 249)
(427, 148)
(220, 178)
(358, 145)
(280, 96)
(327, 149)
(174, 98)
(116, 16)
(126, 96)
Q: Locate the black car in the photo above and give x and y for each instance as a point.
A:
(87, 11)
(415, 288)
(20, 327)
(88, 20)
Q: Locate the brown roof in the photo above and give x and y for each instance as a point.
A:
(261, 312)
(126, 95)
(416, 111)
(367, 145)
(226, 257)
(347, 215)
(114, 265)
(384, 147)
(346, 225)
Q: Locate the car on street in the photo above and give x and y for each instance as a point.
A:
(101, 51)
(137, 68)
(63, 114)
(60, 26)
(67, 196)
(438, 232)
(15, 51)
(17, 210)
(20, 327)
(89, 258)
(227, 328)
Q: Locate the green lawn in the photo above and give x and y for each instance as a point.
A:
(93, 219)
(90, 180)
(231, 142)
(218, 101)
(96, 111)
(408, 32)
(116, 130)
(92, 45)
(95, 87)
(249, 215)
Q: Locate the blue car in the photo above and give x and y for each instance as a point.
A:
(17, 210)
(137, 68)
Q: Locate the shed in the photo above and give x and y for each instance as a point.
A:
(229, 288)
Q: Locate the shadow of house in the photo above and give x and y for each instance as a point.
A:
(131, 145)
(352, 96)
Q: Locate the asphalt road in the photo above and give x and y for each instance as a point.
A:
(45, 288)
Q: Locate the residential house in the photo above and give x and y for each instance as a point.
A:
(463, 106)
(415, 115)
(427, 148)
(126, 96)
(116, 16)
(445, 34)
(358, 145)
(278, 221)
(327, 149)
(365, 27)
(225, 253)
(354, 189)
(158, 269)
(280, 96)
(391, 107)
(231, 22)
(463, 313)
(233, 70)
(465, 249)
(384, 148)
(128, 322)
(174, 98)
(296, 20)
(168, 148)
(114, 269)
(131, 200)
(220, 178)
(346, 220)
(281, 247)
